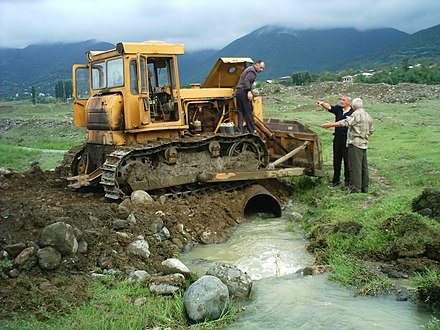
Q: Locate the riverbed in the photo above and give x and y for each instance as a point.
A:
(282, 298)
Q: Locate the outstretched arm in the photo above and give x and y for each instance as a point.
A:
(328, 125)
(323, 104)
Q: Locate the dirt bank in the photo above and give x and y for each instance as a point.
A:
(32, 200)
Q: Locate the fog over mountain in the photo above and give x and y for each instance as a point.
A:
(285, 52)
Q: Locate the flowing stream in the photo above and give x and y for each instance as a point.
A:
(283, 298)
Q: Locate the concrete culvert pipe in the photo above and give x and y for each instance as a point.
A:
(258, 200)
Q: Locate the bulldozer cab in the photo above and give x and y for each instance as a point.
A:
(130, 88)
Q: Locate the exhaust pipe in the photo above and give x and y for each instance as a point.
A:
(258, 200)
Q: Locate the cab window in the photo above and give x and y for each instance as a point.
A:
(115, 69)
(108, 74)
(82, 90)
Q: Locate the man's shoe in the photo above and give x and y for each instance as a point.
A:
(335, 184)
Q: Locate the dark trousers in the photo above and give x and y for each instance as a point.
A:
(358, 169)
(245, 110)
(340, 153)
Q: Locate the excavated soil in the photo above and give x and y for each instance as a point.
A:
(32, 200)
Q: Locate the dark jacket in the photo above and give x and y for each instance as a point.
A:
(247, 79)
(339, 115)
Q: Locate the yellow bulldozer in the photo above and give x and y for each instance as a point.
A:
(145, 132)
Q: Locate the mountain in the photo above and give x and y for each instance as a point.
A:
(285, 51)
(42, 65)
(424, 44)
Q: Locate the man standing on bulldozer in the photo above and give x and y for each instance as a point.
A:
(245, 96)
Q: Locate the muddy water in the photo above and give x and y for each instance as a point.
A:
(283, 298)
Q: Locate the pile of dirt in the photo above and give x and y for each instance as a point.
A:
(32, 200)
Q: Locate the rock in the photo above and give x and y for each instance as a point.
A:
(141, 301)
(141, 198)
(82, 247)
(123, 210)
(48, 258)
(26, 259)
(119, 224)
(206, 299)
(295, 217)
(111, 272)
(131, 219)
(4, 255)
(61, 237)
(209, 237)
(138, 276)
(164, 234)
(14, 249)
(156, 225)
(163, 289)
(107, 259)
(168, 284)
(178, 242)
(13, 273)
(316, 270)
(32, 244)
(239, 283)
(124, 238)
(311, 222)
(173, 265)
(139, 248)
(6, 172)
(403, 294)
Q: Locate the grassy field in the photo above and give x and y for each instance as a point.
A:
(36, 133)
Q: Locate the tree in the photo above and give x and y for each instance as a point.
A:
(60, 91)
(33, 95)
(301, 78)
(68, 89)
(328, 76)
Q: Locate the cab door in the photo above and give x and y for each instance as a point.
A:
(143, 87)
(81, 93)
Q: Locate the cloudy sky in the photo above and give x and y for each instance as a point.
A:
(199, 24)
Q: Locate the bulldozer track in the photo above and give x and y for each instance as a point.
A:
(119, 164)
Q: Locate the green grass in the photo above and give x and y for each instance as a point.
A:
(403, 160)
(25, 110)
(36, 134)
(112, 307)
(21, 159)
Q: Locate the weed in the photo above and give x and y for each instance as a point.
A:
(5, 266)
(428, 287)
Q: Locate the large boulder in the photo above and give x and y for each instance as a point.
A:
(61, 237)
(239, 283)
(206, 299)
